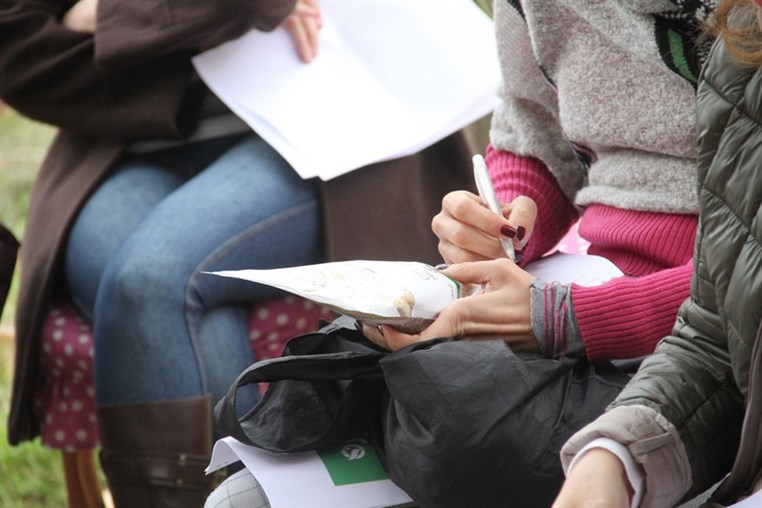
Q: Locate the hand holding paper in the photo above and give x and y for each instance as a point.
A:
(410, 295)
(366, 96)
(304, 25)
(501, 310)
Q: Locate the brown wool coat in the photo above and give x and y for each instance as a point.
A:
(133, 80)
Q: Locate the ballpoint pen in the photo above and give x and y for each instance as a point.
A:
(487, 193)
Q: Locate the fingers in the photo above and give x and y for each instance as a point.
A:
(453, 253)
(373, 334)
(309, 8)
(82, 16)
(388, 337)
(496, 272)
(304, 25)
(298, 34)
(521, 215)
(467, 229)
(502, 311)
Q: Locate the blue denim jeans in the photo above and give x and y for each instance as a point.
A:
(135, 256)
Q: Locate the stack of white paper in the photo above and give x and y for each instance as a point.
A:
(346, 479)
(390, 78)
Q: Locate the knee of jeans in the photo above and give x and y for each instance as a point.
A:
(135, 282)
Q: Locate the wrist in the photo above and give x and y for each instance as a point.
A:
(608, 460)
(634, 478)
(554, 324)
(604, 477)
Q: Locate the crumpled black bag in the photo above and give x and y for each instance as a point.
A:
(326, 387)
(456, 423)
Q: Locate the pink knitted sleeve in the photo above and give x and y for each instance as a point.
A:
(627, 316)
(514, 175)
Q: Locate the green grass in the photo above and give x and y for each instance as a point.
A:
(30, 475)
(22, 146)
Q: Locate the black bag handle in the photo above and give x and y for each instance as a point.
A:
(360, 361)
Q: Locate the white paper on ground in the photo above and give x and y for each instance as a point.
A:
(390, 78)
(300, 480)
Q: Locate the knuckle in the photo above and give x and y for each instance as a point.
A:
(458, 236)
(461, 207)
(502, 265)
(437, 223)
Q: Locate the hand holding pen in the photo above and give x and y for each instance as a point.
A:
(469, 230)
(477, 236)
(487, 193)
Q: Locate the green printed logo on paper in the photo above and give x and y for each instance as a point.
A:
(353, 462)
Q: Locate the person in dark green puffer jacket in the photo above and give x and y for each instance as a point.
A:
(693, 412)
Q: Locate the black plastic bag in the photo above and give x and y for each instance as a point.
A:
(456, 423)
(325, 388)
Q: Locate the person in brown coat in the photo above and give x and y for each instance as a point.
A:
(149, 182)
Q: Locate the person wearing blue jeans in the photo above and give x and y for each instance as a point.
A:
(169, 337)
(151, 181)
(137, 253)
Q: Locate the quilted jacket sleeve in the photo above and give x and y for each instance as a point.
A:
(696, 382)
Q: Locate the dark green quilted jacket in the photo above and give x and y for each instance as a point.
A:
(702, 376)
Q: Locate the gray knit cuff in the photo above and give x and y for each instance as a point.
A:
(554, 323)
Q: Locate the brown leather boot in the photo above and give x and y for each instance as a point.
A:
(154, 454)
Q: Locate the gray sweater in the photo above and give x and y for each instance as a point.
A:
(592, 75)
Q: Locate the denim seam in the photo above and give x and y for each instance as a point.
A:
(214, 256)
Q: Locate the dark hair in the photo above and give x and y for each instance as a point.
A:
(737, 23)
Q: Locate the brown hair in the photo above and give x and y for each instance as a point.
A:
(737, 23)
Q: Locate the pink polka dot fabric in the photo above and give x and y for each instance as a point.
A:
(271, 325)
(64, 398)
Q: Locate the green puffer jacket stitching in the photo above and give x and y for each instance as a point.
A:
(699, 377)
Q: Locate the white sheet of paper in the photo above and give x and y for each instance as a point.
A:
(390, 78)
(366, 287)
(582, 269)
(300, 480)
(391, 291)
(753, 501)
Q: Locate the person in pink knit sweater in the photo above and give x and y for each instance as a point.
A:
(596, 125)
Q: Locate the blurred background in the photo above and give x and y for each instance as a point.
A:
(30, 475)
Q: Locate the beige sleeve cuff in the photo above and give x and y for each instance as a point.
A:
(654, 444)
